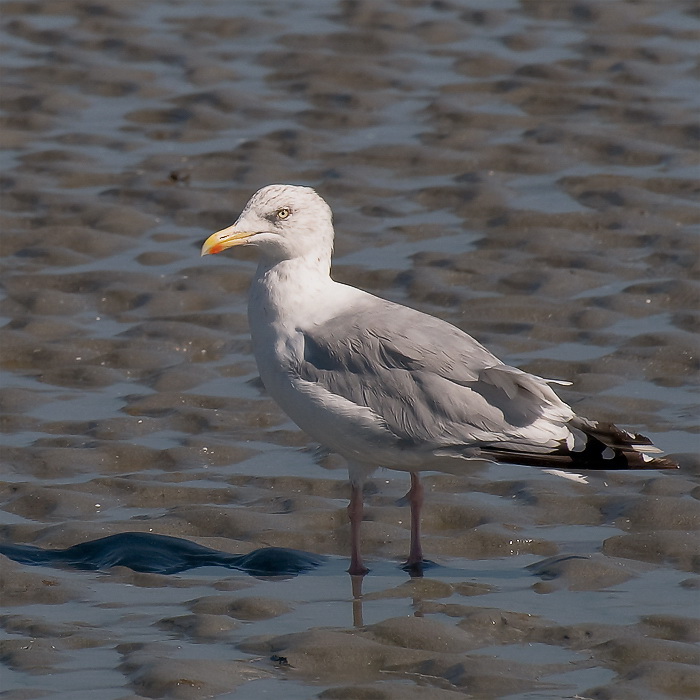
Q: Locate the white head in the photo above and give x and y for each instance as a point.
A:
(284, 222)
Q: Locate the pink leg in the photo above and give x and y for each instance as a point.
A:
(415, 499)
(357, 567)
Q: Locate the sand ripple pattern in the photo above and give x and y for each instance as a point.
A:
(527, 170)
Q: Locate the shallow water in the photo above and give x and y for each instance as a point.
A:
(526, 170)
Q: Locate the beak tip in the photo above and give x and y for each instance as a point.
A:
(224, 239)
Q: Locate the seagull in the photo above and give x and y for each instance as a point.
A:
(385, 385)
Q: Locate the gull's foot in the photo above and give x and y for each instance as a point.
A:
(416, 569)
(357, 570)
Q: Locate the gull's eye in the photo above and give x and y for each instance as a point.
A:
(283, 213)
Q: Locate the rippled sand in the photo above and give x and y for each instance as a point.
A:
(526, 170)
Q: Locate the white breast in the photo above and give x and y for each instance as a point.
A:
(278, 311)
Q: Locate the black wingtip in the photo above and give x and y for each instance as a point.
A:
(603, 446)
(608, 443)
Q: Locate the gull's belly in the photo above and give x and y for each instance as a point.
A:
(354, 431)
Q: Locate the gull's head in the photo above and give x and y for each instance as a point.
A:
(283, 222)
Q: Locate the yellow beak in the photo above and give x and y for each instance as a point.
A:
(226, 238)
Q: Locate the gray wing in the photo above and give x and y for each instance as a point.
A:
(430, 383)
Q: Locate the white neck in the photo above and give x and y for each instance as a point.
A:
(292, 295)
(284, 297)
(285, 287)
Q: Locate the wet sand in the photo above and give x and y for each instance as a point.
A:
(527, 171)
